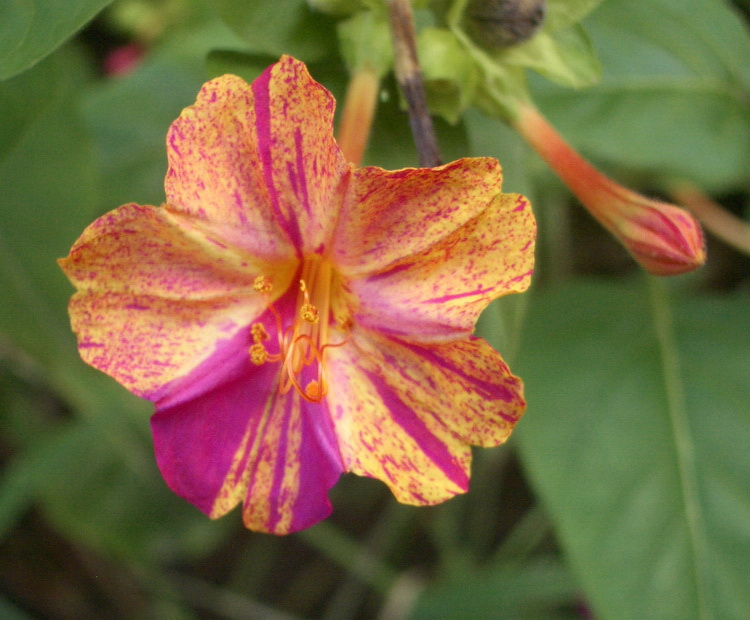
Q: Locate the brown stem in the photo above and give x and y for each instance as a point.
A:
(409, 77)
(359, 110)
(713, 216)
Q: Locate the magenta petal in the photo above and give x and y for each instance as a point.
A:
(243, 440)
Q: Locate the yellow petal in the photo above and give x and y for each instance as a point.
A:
(440, 292)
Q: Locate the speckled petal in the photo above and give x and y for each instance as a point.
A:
(259, 161)
(406, 414)
(440, 292)
(464, 383)
(399, 213)
(244, 442)
(156, 297)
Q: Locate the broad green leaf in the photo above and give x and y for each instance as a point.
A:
(279, 27)
(538, 588)
(23, 99)
(674, 99)
(96, 498)
(637, 438)
(48, 197)
(31, 29)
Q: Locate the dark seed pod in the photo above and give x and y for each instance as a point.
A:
(502, 23)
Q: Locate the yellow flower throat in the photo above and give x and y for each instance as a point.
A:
(305, 342)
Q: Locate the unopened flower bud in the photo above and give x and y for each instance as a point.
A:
(663, 238)
(501, 23)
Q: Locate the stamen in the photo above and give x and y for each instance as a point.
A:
(262, 284)
(307, 311)
(258, 354)
(259, 332)
(303, 344)
(313, 392)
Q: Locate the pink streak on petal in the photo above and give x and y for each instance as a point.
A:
(405, 417)
(490, 391)
(265, 144)
(220, 367)
(196, 440)
(301, 170)
(444, 298)
(280, 468)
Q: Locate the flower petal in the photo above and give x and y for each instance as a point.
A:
(244, 440)
(440, 292)
(260, 162)
(406, 413)
(156, 298)
(395, 214)
(148, 250)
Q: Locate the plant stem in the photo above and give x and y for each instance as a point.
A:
(684, 443)
(728, 227)
(359, 111)
(409, 77)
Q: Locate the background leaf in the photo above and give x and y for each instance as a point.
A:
(675, 92)
(49, 187)
(31, 29)
(652, 506)
(281, 27)
(537, 588)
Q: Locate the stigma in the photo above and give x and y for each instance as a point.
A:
(303, 344)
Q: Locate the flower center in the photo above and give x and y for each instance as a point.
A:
(305, 342)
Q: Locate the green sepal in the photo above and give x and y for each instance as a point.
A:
(563, 13)
(450, 75)
(365, 41)
(561, 51)
(565, 57)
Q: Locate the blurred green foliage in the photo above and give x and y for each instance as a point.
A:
(625, 492)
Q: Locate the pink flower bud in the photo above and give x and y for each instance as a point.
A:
(663, 238)
(124, 59)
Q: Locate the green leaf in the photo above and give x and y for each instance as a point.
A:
(23, 99)
(32, 29)
(537, 588)
(279, 27)
(674, 98)
(49, 188)
(91, 494)
(637, 438)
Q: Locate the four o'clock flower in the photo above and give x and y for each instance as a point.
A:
(663, 238)
(294, 318)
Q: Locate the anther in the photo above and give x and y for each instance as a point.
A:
(258, 332)
(262, 284)
(312, 390)
(258, 354)
(309, 312)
